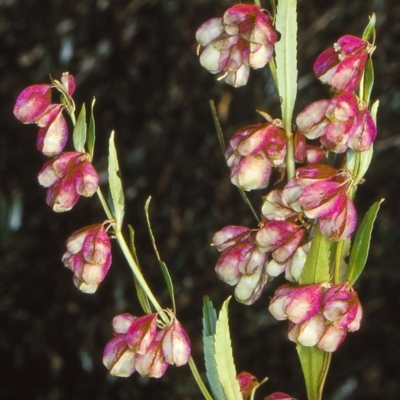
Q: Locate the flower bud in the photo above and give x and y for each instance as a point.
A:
(296, 303)
(67, 177)
(247, 383)
(88, 256)
(343, 65)
(241, 40)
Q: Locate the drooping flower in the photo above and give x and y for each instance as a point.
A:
(146, 344)
(241, 263)
(33, 106)
(339, 123)
(244, 38)
(88, 255)
(343, 65)
(67, 177)
(252, 152)
(319, 315)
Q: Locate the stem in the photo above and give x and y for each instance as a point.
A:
(135, 269)
(324, 373)
(198, 379)
(338, 261)
(257, 2)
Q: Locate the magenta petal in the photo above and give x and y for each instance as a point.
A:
(326, 61)
(229, 235)
(68, 82)
(363, 133)
(52, 139)
(141, 333)
(32, 103)
(311, 121)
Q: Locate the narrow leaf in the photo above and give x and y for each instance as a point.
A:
(92, 130)
(286, 59)
(209, 323)
(163, 266)
(316, 269)
(360, 249)
(314, 363)
(79, 135)
(224, 358)
(114, 180)
(369, 32)
(143, 300)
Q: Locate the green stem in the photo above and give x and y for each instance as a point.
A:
(324, 373)
(338, 262)
(135, 269)
(198, 379)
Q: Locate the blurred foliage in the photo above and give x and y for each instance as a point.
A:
(138, 58)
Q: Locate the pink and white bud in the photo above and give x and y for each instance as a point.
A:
(53, 135)
(68, 81)
(67, 177)
(142, 333)
(296, 303)
(343, 65)
(309, 332)
(342, 307)
(247, 383)
(32, 103)
(340, 123)
(241, 40)
(281, 238)
(88, 256)
(118, 358)
(252, 152)
(176, 344)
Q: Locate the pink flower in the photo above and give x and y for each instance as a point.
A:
(88, 256)
(320, 192)
(252, 152)
(280, 396)
(241, 40)
(296, 303)
(33, 106)
(343, 65)
(67, 177)
(241, 263)
(318, 316)
(339, 123)
(146, 344)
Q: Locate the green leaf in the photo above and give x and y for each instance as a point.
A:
(314, 363)
(316, 269)
(163, 266)
(209, 323)
(369, 32)
(114, 179)
(368, 80)
(92, 130)
(223, 356)
(286, 59)
(79, 135)
(143, 299)
(360, 249)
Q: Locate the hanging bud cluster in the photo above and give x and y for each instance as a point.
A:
(147, 345)
(242, 39)
(318, 316)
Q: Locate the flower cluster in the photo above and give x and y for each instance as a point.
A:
(34, 106)
(67, 177)
(88, 255)
(242, 39)
(318, 316)
(147, 345)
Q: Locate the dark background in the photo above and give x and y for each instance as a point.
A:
(138, 58)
